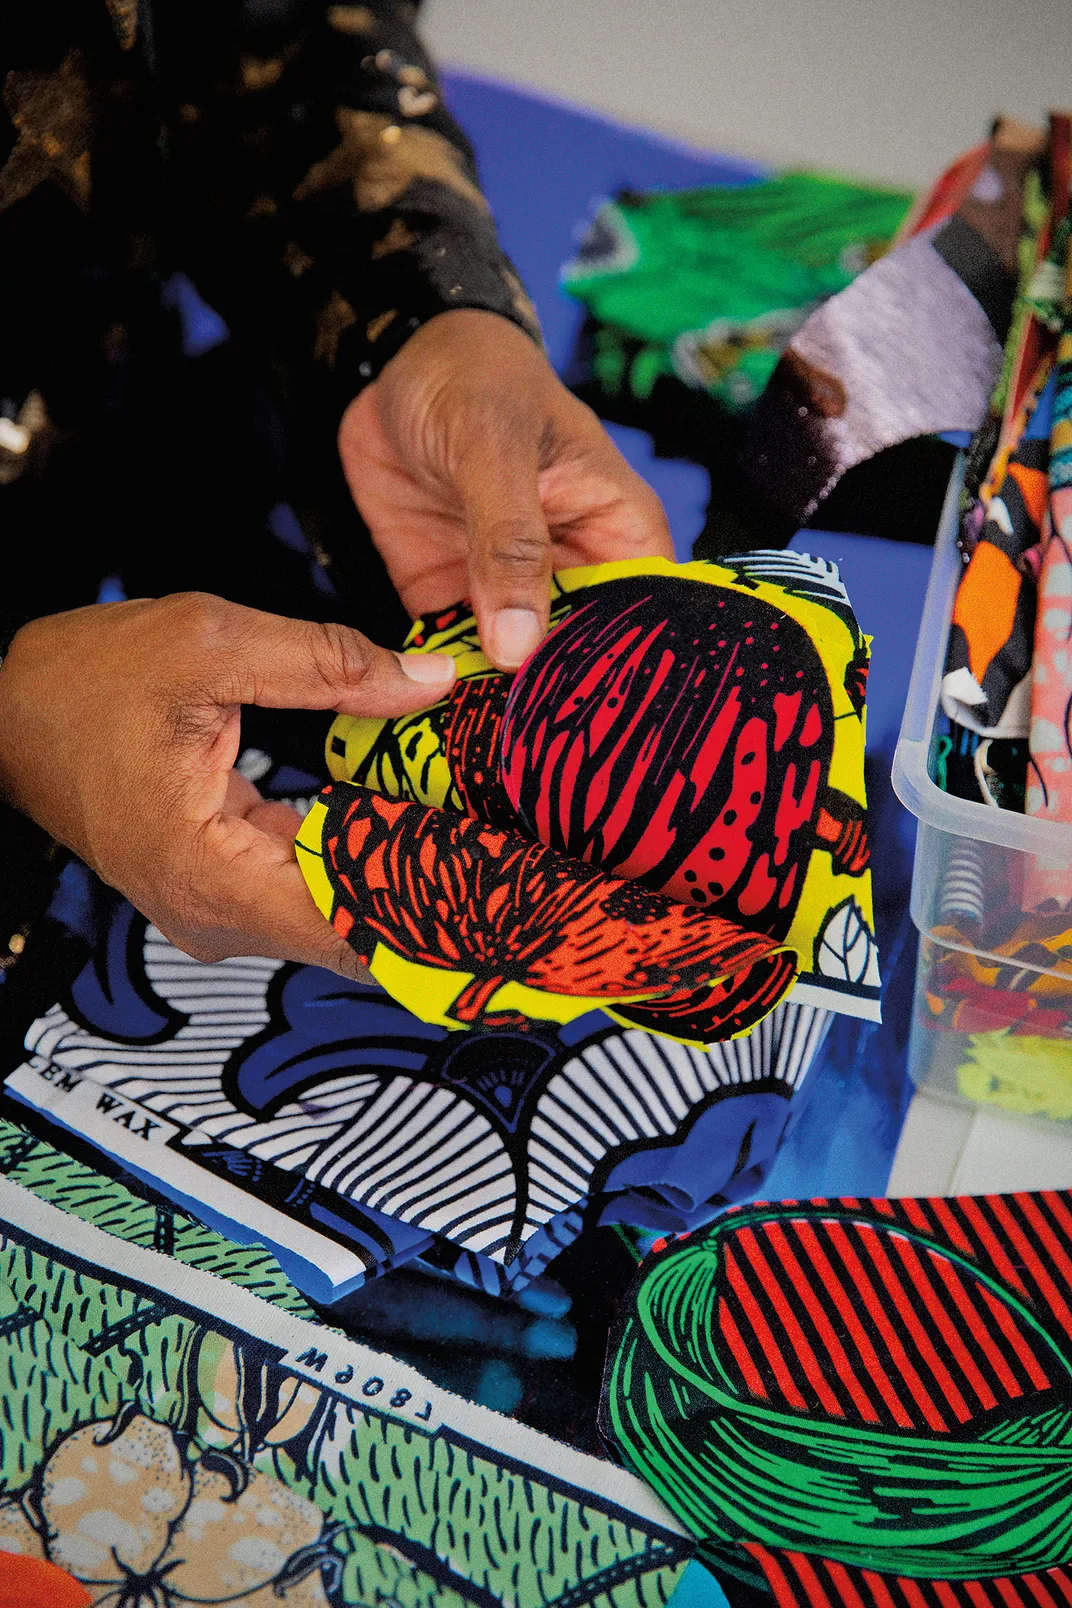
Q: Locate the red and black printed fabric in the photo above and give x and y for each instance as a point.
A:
(662, 814)
(870, 1400)
(631, 794)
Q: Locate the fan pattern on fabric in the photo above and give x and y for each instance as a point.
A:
(332, 1100)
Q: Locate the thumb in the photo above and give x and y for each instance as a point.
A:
(278, 663)
(509, 546)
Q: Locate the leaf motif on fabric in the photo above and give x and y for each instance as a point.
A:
(845, 948)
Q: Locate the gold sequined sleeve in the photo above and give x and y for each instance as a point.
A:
(330, 200)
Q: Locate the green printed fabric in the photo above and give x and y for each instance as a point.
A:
(882, 1389)
(175, 1428)
(112, 1206)
(709, 285)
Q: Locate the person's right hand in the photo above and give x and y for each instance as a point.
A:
(119, 729)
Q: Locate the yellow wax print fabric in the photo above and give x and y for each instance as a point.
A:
(696, 730)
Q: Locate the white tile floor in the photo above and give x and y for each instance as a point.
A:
(951, 1149)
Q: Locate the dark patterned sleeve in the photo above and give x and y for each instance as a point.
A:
(332, 201)
(29, 865)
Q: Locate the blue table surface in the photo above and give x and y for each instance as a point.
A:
(545, 166)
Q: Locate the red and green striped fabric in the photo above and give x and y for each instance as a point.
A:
(870, 1399)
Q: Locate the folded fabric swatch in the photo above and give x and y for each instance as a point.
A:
(987, 685)
(190, 1432)
(1038, 308)
(695, 729)
(1049, 792)
(911, 347)
(987, 682)
(868, 1401)
(315, 1115)
(1011, 400)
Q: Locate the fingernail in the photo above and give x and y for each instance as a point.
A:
(431, 669)
(514, 634)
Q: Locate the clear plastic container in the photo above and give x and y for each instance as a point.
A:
(992, 1015)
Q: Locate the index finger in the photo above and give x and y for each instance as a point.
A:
(509, 544)
(250, 898)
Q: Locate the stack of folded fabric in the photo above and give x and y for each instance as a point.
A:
(912, 348)
(692, 295)
(1007, 687)
(808, 339)
(1007, 679)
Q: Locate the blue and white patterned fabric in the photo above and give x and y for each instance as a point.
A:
(319, 1116)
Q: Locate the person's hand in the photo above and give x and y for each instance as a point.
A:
(119, 728)
(478, 474)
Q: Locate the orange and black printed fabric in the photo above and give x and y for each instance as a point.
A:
(870, 1400)
(987, 682)
(516, 924)
(687, 732)
(991, 637)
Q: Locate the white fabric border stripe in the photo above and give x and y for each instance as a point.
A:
(235, 1307)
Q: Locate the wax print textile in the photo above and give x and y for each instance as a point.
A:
(869, 1400)
(188, 1431)
(291, 1106)
(694, 730)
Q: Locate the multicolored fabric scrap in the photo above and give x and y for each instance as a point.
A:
(911, 347)
(188, 1431)
(707, 286)
(287, 1105)
(869, 1402)
(1023, 987)
(987, 682)
(662, 814)
(1049, 791)
(987, 685)
(993, 1006)
(995, 1001)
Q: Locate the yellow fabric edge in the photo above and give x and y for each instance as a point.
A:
(427, 991)
(823, 888)
(310, 846)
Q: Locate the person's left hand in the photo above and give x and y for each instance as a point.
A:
(478, 473)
